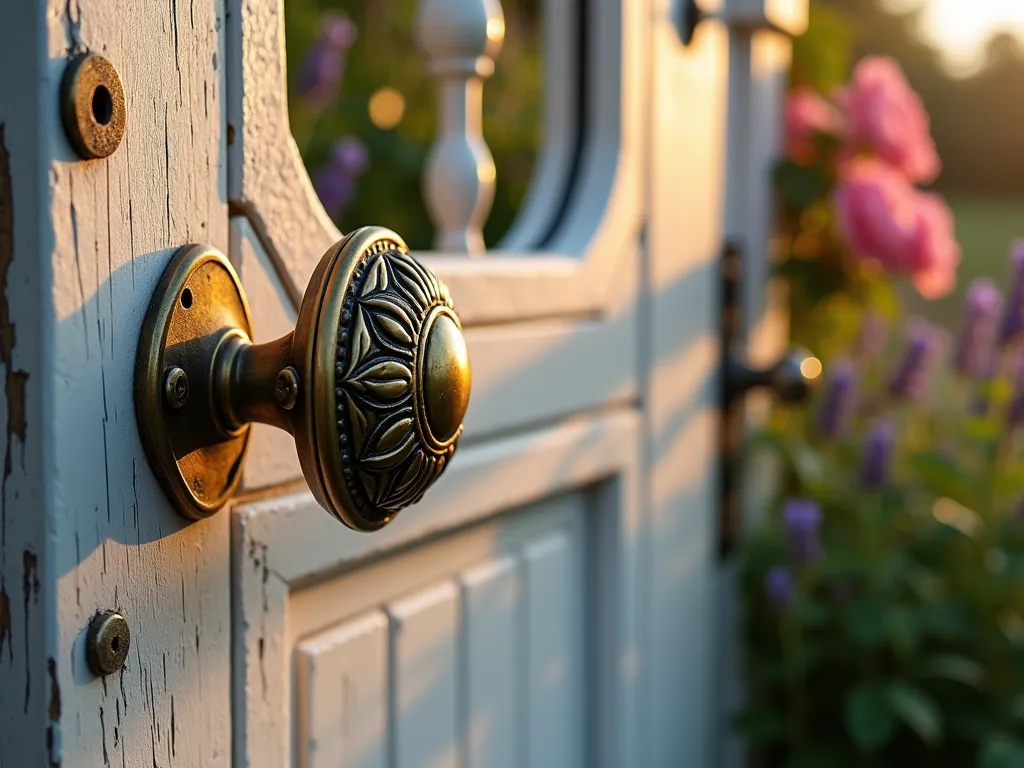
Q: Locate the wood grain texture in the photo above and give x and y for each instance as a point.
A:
(112, 539)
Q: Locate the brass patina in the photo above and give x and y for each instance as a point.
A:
(92, 106)
(373, 383)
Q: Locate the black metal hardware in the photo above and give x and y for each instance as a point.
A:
(790, 379)
(689, 15)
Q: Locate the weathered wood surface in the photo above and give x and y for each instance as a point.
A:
(86, 526)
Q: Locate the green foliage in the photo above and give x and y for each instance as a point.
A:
(823, 56)
(904, 643)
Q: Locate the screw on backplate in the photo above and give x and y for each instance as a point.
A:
(286, 389)
(176, 387)
(107, 642)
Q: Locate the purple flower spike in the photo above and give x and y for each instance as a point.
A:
(802, 518)
(839, 399)
(325, 63)
(780, 586)
(1013, 318)
(1015, 415)
(913, 375)
(877, 458)
(872, 338)
(336, 181)
(977, 339)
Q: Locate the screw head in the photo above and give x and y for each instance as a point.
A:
(107, 642)
(286, 389)
(176, 388)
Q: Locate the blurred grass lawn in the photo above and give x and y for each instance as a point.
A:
(985, 228)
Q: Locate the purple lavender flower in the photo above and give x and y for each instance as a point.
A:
(872, 338)
(802, 518)
(325, 63)
(839, 399)
(336, 181)
(913, 375)
(780, 586)
(977, 339)
(877, 457)
(1015, 414)
(1013, 317)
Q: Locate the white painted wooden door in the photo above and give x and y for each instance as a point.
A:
(552, 601)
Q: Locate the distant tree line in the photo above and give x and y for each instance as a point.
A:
(977, 121)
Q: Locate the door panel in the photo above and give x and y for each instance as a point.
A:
(424, 657)
(341, 695)
(505, 545)
(472, 649)
(491, 611)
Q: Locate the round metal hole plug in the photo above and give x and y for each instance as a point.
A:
(107, 642)
(92, 106)
(373, 383)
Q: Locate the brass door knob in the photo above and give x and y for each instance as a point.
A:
(373, 383)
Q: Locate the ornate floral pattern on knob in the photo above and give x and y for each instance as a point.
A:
(402, 381)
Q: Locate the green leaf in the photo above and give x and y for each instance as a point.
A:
(807, 465)
(1000, 751)
(915, 708)
(901, 628)
(959, 669)
(865, 622)
(1009, 481)
(759, 724)
(946, 619)
(941, 475)
(812, 614)
(801, 186)
(870, 720)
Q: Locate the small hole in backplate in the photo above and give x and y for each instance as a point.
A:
(102, 105)
(115, 644)
(186, 298)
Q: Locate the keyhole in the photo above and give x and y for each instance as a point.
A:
(115, 644)
(186, 298)
(102, 105)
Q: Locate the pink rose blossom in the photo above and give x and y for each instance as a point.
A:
(807, 115)
(886, 116)
(877, 211)
(884, 217)
(936, 254)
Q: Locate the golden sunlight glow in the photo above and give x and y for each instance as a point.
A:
(496, 28)
(810, 368)
(386, 108)
(961, 28)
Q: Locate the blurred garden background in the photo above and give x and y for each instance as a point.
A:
(362, 109)
(883, 590)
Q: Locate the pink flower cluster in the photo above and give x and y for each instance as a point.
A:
(885, 148)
